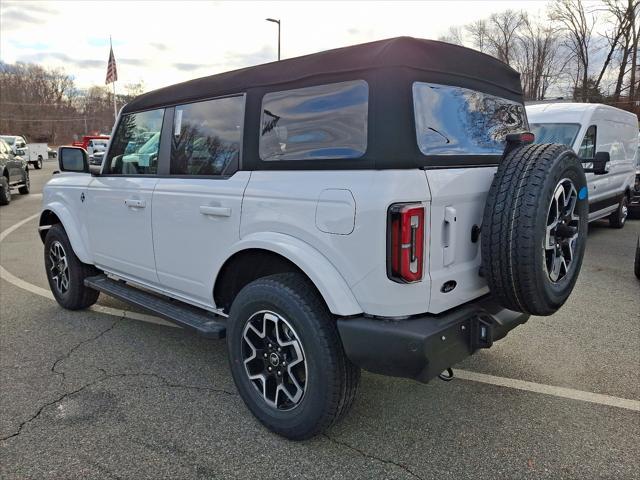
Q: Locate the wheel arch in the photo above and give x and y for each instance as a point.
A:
(56, 213)
(259, 255)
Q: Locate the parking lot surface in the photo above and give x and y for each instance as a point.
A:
(109, 394)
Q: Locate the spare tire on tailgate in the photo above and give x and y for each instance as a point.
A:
(534, 228)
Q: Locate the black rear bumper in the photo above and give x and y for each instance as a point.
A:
(422, 347)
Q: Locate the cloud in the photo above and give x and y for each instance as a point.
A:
(64, 58)
(159, 46)
(18, 15)
(188, 67)
(238, 60)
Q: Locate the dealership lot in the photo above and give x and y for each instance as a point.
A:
(108, 393)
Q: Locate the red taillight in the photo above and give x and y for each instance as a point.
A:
(405, 242)
(521, 137)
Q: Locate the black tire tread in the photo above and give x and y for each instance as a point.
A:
(5, 193)
(346, 375)
(80, 296)
(509, 225)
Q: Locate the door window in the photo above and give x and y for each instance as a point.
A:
(588, 146)
(207, 137)
(321, 122)
(134, 150)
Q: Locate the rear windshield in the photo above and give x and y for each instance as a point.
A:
(458, 121)
(564, 133)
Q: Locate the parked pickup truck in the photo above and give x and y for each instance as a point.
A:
(380, 206)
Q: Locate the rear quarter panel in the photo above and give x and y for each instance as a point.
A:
(304, 205)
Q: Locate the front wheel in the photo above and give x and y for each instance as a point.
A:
(5, 191)
(618, 218)
(66, 273)
(286, 357)
(26, 188)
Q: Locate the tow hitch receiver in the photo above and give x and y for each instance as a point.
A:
(482, 332)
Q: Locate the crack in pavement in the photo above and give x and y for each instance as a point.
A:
(78, 345)
(373, 457)
(108, 376)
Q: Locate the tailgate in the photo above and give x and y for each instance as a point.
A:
(457, 204)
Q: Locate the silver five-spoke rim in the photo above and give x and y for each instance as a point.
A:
(274, 360)
(59, 267)
(562, 230)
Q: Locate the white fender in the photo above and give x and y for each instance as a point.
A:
(77, 233)
(323, 274)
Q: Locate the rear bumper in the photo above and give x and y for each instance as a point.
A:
(422, 347)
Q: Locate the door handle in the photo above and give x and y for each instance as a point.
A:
(132, 202)
(450, 219)
(215, 211)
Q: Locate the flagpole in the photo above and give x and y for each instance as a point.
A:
(115, 108)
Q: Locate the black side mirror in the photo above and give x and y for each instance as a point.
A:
(73, 159)
(600, 163)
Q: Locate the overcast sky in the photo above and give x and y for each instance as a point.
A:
(161, 43)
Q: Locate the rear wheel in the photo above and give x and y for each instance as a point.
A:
(38, 163)
(534, 228)
(618, 218)
(66, 273)
(286, 357)
(5, 191)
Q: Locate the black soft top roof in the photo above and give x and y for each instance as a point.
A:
(448, 63)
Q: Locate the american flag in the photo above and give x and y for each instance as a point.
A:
(112, 71)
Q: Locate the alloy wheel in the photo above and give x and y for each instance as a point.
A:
(274, 360)
(59, 268)
(562, 230)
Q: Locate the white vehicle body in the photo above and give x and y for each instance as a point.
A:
(321, 220)
(327, 223)
(37, 151)
(616, 132)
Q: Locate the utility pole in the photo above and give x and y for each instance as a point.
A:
(278, 22)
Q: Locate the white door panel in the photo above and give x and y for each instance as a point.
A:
(119, 217)
(195, 222)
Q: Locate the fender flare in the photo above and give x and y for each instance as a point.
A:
(72, 227)
(329, 282)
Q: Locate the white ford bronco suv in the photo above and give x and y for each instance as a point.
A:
(379, 206)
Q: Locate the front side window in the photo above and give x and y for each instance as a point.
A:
(563, 133)
(320, 122)
(459, 121)
(8, 139)
(207, 137)
(135, 146)
(588, 145)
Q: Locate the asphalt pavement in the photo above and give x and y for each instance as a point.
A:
(95, 395)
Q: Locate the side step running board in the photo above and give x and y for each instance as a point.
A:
(203, 322)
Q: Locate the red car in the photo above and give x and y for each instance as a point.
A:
(85, 140)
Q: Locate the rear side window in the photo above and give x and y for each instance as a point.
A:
(458, 121)
(207, 137)
(134, 148)
(588, 145)
(320, 122)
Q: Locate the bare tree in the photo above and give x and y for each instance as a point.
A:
(478, 31)
(501, 34)
(454, 35)
(578, 26)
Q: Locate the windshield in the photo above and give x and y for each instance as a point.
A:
(564, 133)
(459, 121)
(8, 139)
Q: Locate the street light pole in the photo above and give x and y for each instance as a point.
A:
(278, 22)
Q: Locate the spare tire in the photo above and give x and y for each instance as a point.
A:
(534, 228)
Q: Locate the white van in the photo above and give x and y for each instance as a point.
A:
(589, 129)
